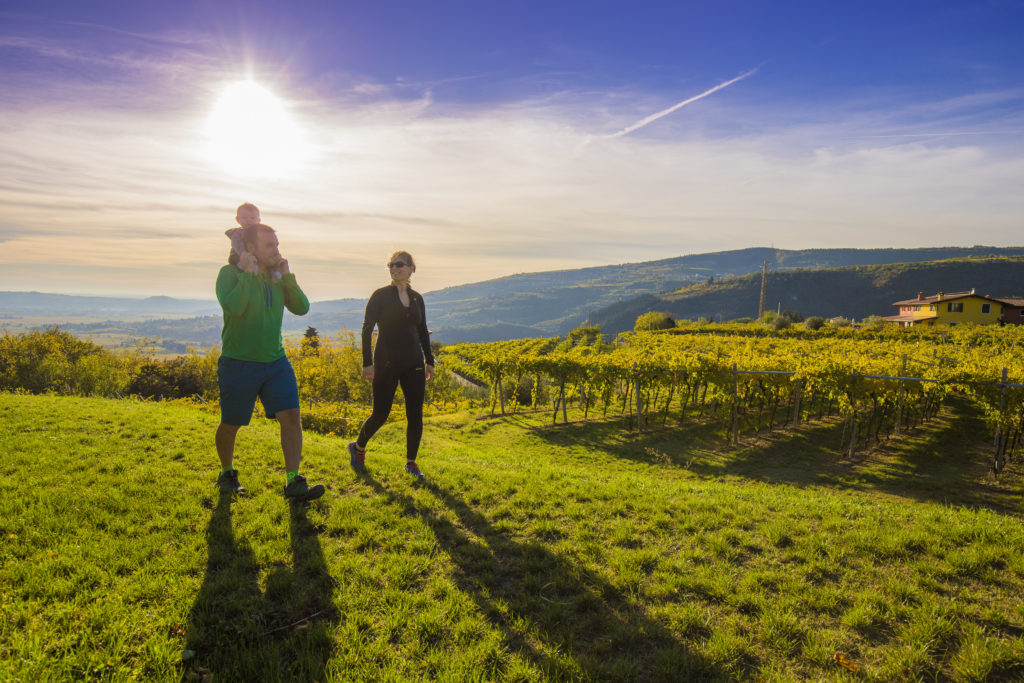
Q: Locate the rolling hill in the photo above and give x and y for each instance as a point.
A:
(557, 301)
(554, 302)
(854, 292)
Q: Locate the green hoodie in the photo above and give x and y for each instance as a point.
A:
(253, 307)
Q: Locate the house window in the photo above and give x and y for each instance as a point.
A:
(986, 308)
(931, 308)
(955, 307)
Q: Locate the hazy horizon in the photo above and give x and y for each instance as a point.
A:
(213, 299)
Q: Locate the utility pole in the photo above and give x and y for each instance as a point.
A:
(764, 291)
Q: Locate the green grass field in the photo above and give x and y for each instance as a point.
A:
(531, 552)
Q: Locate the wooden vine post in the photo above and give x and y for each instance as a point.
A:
(735, 404)
(799, 391)
(501, 393)
(639, 399)
(853, 423)
(899, 403)
(1002, 435)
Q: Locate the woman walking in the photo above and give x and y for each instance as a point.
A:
(402, 356)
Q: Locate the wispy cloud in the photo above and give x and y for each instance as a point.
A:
(676, 107)
(952, 133)
(119, 196)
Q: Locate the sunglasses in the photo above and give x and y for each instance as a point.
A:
(398, 264)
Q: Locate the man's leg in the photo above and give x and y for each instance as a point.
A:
(291, 437)
(280, 396)
(227, 480)
(238, 389)
(291, 443)
(225, 440)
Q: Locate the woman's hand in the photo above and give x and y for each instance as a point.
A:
(368, 373)
(428, 372)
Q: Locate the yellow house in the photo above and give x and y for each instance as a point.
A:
(948, 309)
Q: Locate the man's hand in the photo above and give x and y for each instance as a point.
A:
(428, 372)
(282, 267)
(247, 262)
(368, 373)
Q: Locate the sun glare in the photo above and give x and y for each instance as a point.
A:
(251, 133)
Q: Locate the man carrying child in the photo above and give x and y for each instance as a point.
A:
(253, 294)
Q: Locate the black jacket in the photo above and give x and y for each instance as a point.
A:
(403, 341)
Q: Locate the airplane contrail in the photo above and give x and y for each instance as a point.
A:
(665, 112)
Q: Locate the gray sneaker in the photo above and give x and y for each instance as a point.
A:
(298, 489)
(227, 482)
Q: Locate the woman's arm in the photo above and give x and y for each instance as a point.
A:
(370, 319)
(424, 333)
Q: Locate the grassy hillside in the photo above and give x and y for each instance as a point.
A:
(531, 553)
(854, 292)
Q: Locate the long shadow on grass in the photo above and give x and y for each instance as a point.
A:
(942, 461)
(571, 623)
(238, 632)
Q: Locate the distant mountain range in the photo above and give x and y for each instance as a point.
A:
(714, 285)
(554, 302)
(63, 305)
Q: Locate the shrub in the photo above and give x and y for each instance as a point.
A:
(794, 316)
(443, 389)
(814, 322)
(585, 335)
(340, 419)
(873, 322)
(333, 373)
(191, 375)
(102, 375)
(54, 360)
(654, 321)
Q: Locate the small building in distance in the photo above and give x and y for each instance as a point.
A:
(951, 309)
(1013, 310)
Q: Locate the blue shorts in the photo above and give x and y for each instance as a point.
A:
(241, 381)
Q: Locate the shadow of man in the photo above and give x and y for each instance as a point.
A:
(570, 622)
(236, 632)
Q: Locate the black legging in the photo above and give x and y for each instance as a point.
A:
(414, 387)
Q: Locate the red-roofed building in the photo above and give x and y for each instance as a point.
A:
(949, 309)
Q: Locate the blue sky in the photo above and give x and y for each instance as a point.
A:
(495, 138)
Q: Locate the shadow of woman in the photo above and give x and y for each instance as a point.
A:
(570, 622)
(238, 632)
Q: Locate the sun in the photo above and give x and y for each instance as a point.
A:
(250, 133)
